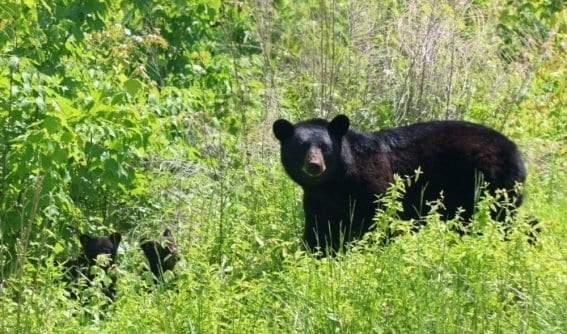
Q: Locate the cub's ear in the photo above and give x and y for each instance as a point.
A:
(146, 245)
(282, 129)
(167, 233)
(168, 242)
(339, 125)
(143, 241)
(84, 239)
(116, 237)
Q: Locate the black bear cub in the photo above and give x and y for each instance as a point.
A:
(100, 251)
(161, 254)
(342, 171)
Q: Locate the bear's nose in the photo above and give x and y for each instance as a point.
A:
(313, 168)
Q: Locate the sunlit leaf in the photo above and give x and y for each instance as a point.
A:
(132, 86)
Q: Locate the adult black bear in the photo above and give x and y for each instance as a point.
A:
(161, 254)
(100, 251)
(342, 171)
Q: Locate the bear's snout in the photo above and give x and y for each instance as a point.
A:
(314, 164)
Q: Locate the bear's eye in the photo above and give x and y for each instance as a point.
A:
(304, 145)
(326, 149)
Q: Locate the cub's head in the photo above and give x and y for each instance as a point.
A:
(161, 254)
(95, 248)
(311, 150)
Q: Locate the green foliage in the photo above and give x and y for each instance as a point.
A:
(140, 115)
(528, 25)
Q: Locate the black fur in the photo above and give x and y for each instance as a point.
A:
(161, 254)
(92, 247)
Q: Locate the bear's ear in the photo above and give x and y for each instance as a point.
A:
(167, 233)
(146, 245)
(116, 237)
(339, 126)
(84, 239)
(282, 129)
(143, 241)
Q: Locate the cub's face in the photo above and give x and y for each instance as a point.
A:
(311, 150)
(161, 254)
(101, 250)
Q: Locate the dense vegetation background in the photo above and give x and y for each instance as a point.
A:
(139, 115)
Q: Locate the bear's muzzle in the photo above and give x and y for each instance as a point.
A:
(314, 164)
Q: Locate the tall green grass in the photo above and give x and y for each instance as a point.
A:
(255, 278)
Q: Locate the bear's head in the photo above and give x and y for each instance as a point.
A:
(161, 254)
(94, 248)
(311, 150)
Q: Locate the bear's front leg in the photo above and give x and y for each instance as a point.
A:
(322, 233)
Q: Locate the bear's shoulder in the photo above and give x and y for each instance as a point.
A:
(382, 141)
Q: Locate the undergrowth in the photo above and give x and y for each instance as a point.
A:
(256, 278)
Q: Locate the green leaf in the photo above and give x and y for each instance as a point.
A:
(60, 155)
(58, 248)
(29, 3)
(13, 62)
(117, 99)
(111, 165)
(51, 124)
(133, 86)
